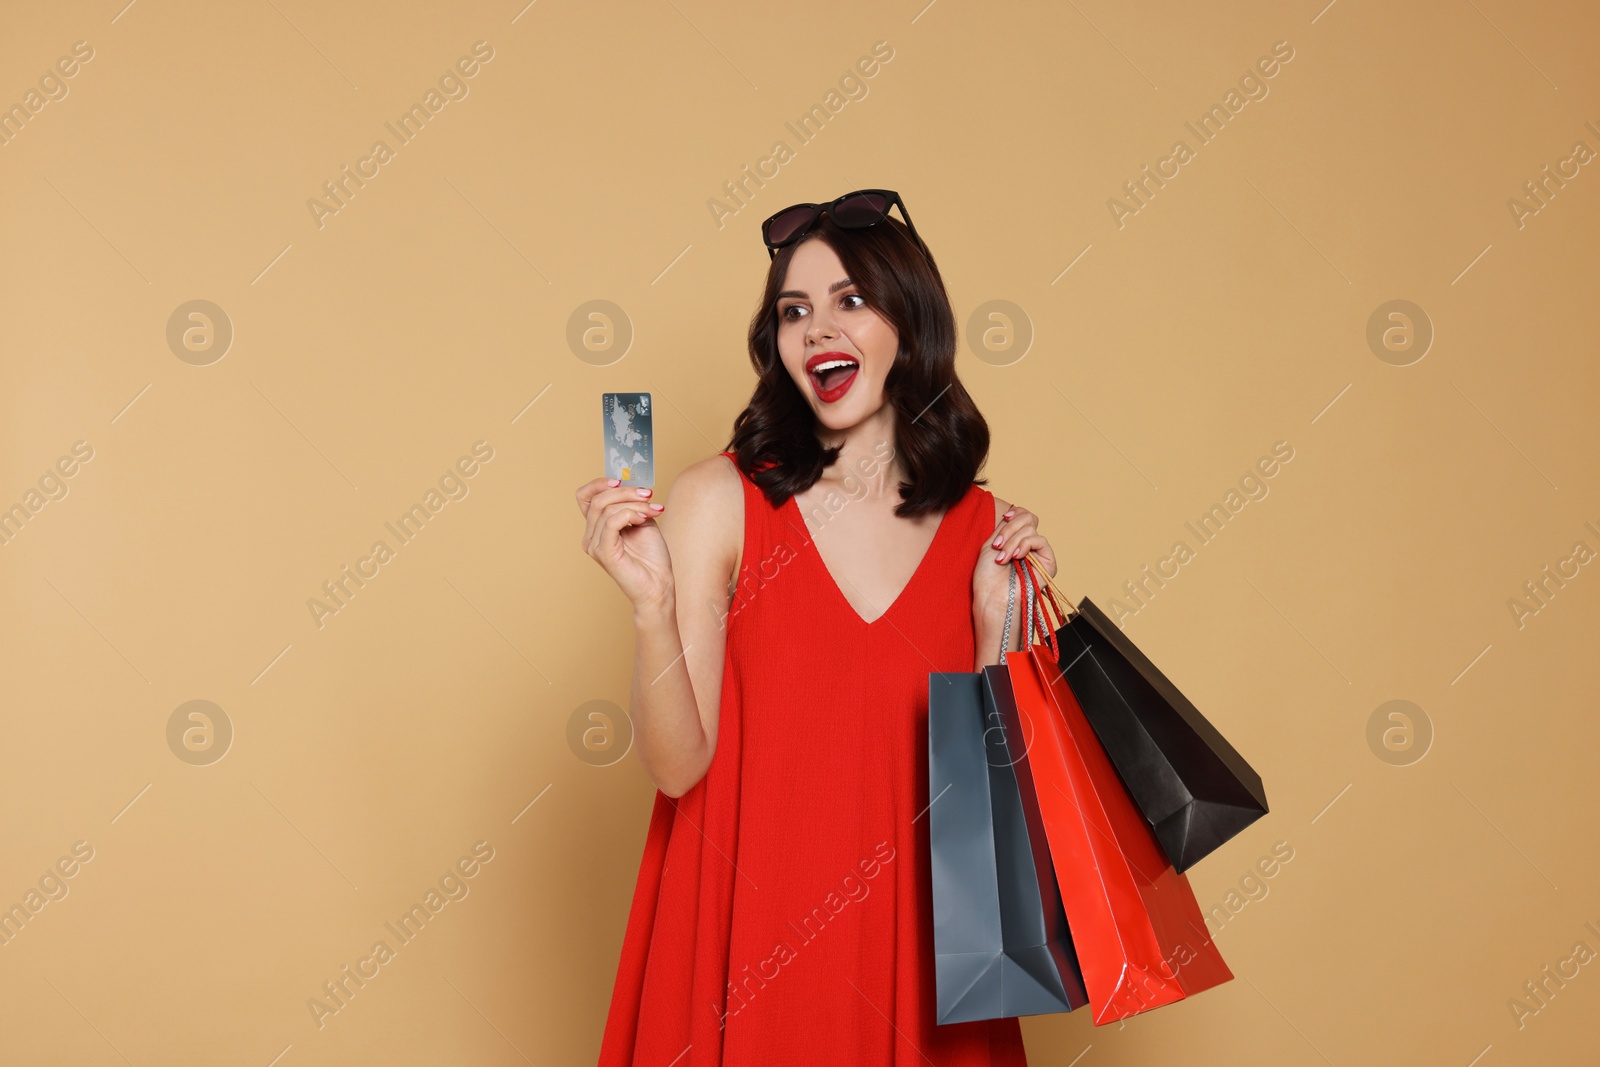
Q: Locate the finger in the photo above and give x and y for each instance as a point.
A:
(1047, 558)
(626, 494)
(630, 514)
(1012, 512)
(1009, 529)
(1019, 544)
(607, 496)
(607, 493)
(594, 514)
(608, 537)
(1013, 533)
(586, 492)
(617, 515)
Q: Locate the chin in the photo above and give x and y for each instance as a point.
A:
(840, 418)
(835, 422)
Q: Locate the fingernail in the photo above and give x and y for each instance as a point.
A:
(644, 492)
(997, 542)
(615, 482)
(658, 507)
(1001, 558)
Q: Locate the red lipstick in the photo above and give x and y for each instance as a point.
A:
(832, 374)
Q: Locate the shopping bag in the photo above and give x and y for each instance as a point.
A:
(1137, 930)
(1001, 945)
(1194, 788)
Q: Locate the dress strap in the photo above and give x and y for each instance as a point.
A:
(982, 510)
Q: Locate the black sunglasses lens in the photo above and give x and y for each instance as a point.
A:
(862, 209)
(787, 224)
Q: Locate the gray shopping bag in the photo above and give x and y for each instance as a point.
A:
(1001, 944)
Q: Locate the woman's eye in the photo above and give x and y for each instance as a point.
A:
(795, 311)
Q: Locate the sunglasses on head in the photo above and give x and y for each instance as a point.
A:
(852, 211)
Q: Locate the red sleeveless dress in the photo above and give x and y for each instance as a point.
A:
(783, 912)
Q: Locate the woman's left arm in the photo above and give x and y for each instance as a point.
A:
(1016, 533)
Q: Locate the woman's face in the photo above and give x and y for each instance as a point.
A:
(837, 350)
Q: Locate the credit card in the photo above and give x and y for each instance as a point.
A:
(630, 442)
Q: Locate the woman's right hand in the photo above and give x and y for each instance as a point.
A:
(621, 534)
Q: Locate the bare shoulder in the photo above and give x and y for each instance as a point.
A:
(999, 509)
(705, 509)
(712, 483)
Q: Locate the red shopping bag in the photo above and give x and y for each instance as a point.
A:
(1137, 928)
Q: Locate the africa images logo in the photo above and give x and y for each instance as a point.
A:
(340, 190)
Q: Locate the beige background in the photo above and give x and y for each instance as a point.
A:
(432, 711)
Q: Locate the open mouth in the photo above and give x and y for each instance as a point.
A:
(832, 374)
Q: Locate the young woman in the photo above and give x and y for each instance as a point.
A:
(788, 607)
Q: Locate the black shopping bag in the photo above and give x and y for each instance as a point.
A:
(1001, 945)
(1191, 785)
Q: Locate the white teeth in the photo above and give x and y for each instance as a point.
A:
(831, 364)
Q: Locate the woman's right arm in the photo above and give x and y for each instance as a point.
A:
(677, 573)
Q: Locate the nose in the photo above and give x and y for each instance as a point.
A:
(821, 328)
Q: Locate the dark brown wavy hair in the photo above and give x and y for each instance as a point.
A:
(940, 436)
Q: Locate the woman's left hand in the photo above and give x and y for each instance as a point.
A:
(1014, 537)
(1018, 534)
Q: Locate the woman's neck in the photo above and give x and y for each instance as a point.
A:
(867, 454)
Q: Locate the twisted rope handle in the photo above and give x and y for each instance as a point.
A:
(1011, 601)
(1039, 618)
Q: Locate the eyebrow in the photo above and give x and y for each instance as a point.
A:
(834, 288)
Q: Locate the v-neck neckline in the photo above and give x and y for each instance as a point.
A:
(816, 554)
